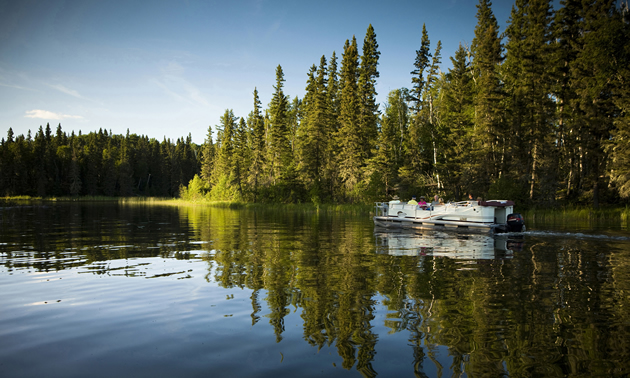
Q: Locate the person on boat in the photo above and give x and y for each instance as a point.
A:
(422, 202)
(413, 201)
(436, 200)
(441, 201)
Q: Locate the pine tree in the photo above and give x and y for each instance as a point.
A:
(241, 156)
(596, 62)
(418, 145)
(566, 31)
(423, 56)
(490, 133)
(226, 175)
(394, 129)
(75, 175)
(315, 130)
(368, 73)
(595, 59)
(430, 115)
(619, 148)
(458, 114)
(279, 151)
(207, 159)
(257, 144)
(349, 137)
(528, 80)
(331, 168)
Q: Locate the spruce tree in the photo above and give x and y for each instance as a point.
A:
(349, 137)
(417, 146)
(279, 151)
(423, 56)
(490, 133)
(619, 148)
(528, 77)
(458, 114)
(594, 77)
(566, 31)
(331, 161)
(226, 175)
(257, 144)
(389, 151)
(315, 130)
(368, 73)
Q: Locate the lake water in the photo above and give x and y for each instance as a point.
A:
(104, 290)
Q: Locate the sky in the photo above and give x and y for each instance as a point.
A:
(167, 69)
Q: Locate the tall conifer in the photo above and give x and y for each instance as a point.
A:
(279, 151)
(368, 73)
(349, 137)
(491, 133)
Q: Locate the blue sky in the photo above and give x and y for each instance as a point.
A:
(170, 68)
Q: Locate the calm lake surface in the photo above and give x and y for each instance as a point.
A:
(105, 290)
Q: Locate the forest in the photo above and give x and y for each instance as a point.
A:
(537, 114)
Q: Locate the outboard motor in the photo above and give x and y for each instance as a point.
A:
(515, 223)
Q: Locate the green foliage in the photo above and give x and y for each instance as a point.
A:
(506, 188)
(224, 190)
(94, 164)
(196, 190)
(542, 120)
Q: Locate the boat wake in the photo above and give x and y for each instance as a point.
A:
(571, 235)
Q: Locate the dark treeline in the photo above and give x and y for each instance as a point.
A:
(96, 164)
(538, 114)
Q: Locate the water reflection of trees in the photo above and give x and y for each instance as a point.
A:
(557, 308)
(549, 311)
(69, 235)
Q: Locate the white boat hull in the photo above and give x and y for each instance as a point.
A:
(420, 224)
(467, 216)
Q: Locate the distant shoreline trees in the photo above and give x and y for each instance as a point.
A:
(94, 164)
(538, 115)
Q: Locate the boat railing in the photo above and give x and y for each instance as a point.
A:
(381, 208)
(462, 203)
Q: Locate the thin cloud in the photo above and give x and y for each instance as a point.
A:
(66, 90)
(45, 114)
(173, 83)
(17, 87)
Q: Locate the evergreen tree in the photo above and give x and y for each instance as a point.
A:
(599, 45)
(315, 130)
(352, 155)
(279, 151)
(491, 133)
(458, 114)
(207, 159)
(423, 56)
(331, 167)
(566, 32)
(389, 153)
(418, 146)
(619, 148)
(257, 144)
(528, 80)
(123, 167)
(429, 115)
(368, 73)
(75, 175)
(226, 175)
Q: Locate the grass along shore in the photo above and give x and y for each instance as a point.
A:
(340, 208)
(571, 215)
(543, 215)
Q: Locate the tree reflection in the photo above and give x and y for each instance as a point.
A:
(556, 308)
(547, 311)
